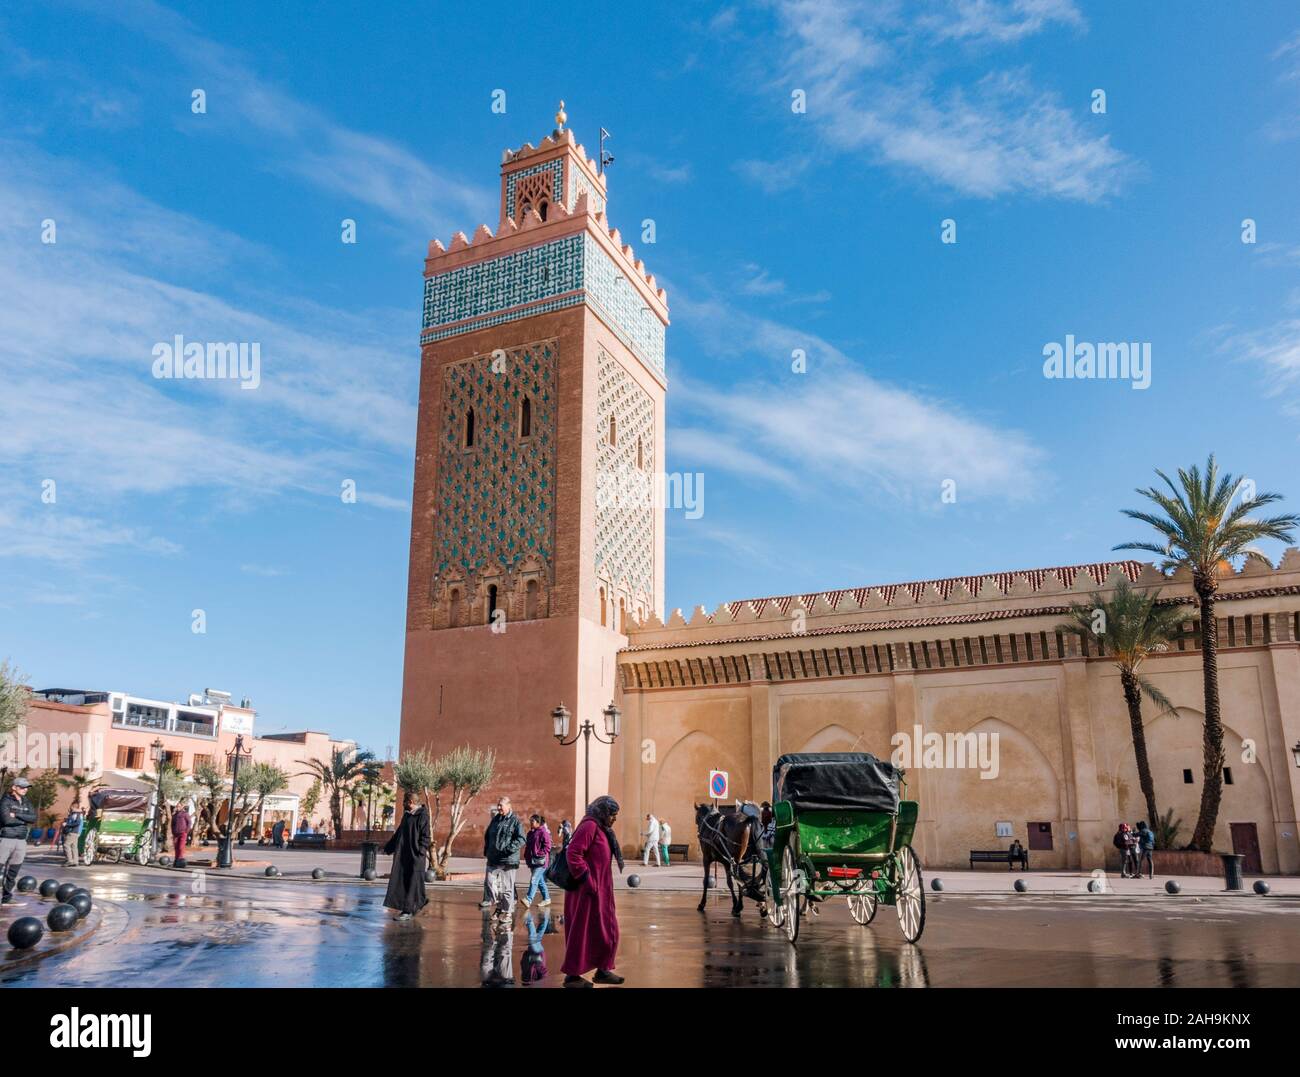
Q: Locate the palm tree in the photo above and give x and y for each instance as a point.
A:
(1130, 626)
(80, 783)
(1201, 530)
(335, 775)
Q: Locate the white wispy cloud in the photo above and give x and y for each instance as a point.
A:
(1287, 58)
(296, 138)
(881, 80)
(834, 427)
(80, 406)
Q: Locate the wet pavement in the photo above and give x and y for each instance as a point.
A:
(245, 932)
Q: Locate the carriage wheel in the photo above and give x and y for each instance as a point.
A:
(88, 853)
(909, 897)
(775, 912)
(790, 894)
(144, 852)
(863, 906)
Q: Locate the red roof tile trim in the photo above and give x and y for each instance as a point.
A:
(1004, 581)
(949, 619)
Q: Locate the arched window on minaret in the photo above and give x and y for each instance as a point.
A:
(491, 602)
(622, 616)
(532, 592)
(469, 429)
(526, 418)
(542, 207)
(613, 431)
(604, 617)
(453, 616)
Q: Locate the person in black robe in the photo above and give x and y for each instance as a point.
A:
(409, 848)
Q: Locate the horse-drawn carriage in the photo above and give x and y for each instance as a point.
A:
(119, 826)
(841, 831)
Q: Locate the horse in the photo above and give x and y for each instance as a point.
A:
(729, 836)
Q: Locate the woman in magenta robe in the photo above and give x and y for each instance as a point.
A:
(590, 922)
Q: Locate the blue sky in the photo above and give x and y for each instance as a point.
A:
(776, 230)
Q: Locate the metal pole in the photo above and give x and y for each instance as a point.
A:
(230, 810)
(157, 804)
(586, 768)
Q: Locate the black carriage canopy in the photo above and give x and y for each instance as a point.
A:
(119, 800)
(830, 780)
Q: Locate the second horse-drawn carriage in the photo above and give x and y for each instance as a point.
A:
(119, 826)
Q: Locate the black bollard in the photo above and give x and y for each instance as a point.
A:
(369, 857)
(1232, 870)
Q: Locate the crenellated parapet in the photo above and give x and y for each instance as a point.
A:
(957, 600)
(553, 247)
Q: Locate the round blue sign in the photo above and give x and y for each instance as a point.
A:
(718, 785)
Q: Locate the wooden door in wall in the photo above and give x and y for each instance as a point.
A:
(1040, 837)
(1245, 840)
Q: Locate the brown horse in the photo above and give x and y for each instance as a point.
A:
(729, 836)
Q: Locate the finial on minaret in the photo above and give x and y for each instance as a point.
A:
(560, 117)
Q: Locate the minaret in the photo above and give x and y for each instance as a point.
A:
(534, 540)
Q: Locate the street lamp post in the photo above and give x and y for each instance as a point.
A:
(613, 726)
(369, 849)
(158, 754)
(226, 844)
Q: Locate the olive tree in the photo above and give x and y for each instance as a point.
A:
(453, 779)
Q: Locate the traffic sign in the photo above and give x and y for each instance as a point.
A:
(718, 784)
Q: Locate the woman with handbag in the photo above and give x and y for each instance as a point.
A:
(590, 920)
(537, 853)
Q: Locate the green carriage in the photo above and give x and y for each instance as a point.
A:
(840, 830)
(119, 827)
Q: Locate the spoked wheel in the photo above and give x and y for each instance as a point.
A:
(909, 899)
(863, 906)
(144, 853)
(790, 894)
(88, 853)
(775, 912)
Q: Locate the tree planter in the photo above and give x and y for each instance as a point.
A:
(1188, 862)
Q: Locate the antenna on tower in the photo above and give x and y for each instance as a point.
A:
(605, 158)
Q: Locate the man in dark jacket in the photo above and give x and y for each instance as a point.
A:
(16, 816)
(501, 845)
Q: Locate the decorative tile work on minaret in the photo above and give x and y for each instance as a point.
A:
(496, 496)
(625, 513)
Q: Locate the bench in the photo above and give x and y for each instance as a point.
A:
(678, 852)
(308, 841)
(999, 856)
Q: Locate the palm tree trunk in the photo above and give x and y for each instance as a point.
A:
(1212, 746)
(336, 812)
(1134, 700)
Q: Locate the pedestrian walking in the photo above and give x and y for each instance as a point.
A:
(665, 839)
(590, 919)
(537, 855)
(72, 827)
(277, 834)
(181, 824)
(16, 816)
(566, 833)
(651, 841)
(1146, 841)
(409, 847)
(501, 845)
(486, 903)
